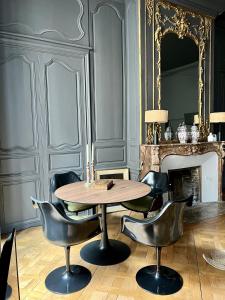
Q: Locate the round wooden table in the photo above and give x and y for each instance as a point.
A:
(104, 252)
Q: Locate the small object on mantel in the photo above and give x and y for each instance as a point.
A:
(102, 184)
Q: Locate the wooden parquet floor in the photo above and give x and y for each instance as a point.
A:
(37, 257)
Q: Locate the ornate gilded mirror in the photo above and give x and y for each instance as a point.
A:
(179, 78)
(176, 27)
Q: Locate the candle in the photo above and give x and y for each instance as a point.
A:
(87, 165)
(92, 152)
(87, 154)
(92, 163)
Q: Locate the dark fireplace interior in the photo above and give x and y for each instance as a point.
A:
(185, 182)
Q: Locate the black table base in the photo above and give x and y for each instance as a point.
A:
(115, 253)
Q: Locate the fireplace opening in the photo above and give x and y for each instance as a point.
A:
(185, 182)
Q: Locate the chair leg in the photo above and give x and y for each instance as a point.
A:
(67, 256)
(145, 215)
(158, 257)
(159, 279)
(69, 278)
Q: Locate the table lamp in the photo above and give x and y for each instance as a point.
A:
(155, 117)
(218, 117)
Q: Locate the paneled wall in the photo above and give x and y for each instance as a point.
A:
(108, 83)
(133, 87)
(63, 83)
(19, 145)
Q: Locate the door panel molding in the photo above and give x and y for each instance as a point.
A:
(76, 143)
(32, 145)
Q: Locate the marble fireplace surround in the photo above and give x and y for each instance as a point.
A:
(209, 156)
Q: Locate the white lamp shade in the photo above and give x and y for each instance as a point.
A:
(156, 116)
(217, 117)
(196, 119)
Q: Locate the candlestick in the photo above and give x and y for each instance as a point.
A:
(88, 174)
(87, 154)
(92, 171)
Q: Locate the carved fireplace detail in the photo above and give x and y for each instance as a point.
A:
(153, 155)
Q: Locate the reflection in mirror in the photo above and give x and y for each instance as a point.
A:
(179, 82)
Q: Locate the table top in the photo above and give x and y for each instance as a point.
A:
(122, 190)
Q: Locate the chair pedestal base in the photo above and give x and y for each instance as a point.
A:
(61, 282)
(166, 282)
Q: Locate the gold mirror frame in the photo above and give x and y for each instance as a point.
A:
(184, 23)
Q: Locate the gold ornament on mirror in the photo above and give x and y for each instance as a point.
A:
(150, 9)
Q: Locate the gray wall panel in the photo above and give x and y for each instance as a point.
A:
(108, 66)
(133, 97)
(16, 197)
(16, 97)
(18, 166)
(108, 83)
(62, 84)
(63, 161)
(46, 19)
(110, 155)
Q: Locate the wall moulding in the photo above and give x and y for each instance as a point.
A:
(48, 19)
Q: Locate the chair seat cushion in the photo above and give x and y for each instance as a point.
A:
(143, 204)
(77, 217)
(75, 207)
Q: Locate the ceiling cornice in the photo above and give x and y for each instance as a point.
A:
(207, 7)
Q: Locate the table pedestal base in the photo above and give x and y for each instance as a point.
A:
(115, 253)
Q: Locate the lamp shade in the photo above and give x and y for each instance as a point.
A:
(217, 117)
(196, 119)
(156, 116)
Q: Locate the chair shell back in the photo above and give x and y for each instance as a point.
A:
(59, 180)
(59, 229)
(157, 181)
(160, 231)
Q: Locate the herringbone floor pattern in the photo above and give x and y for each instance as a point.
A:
(37, 257)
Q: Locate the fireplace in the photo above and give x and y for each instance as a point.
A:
(185, 182)
(209, 157)
(208, 175)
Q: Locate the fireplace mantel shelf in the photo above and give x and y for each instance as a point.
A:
(153, 155)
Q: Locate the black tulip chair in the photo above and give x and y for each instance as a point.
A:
(61, 179)
(62, 231)
(9, 250)
(159, 185)
(160, 231)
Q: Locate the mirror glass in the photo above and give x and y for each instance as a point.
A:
(179, 81)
